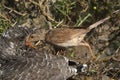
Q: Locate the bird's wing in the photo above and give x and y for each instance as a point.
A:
(61, 35)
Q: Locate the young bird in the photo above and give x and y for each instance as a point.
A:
(65, 37)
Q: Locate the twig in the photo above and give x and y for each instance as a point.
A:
(3, 16)
(45, 8)
(12, 10)
(42, 8)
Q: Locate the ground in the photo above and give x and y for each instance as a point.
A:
(104, 40)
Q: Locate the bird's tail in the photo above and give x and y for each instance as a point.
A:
(101, 21)
(98, 23)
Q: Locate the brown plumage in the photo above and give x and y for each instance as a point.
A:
(59, 36)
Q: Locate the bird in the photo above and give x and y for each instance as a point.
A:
(39, 66)
(64, 37)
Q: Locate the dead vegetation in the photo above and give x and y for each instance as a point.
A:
(48, 14)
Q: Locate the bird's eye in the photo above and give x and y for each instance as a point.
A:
(32, 36)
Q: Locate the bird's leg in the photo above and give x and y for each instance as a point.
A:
(89, 47)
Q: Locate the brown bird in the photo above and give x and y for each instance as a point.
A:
(65, 37)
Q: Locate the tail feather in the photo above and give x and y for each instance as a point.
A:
(98, 23)
(102, 21)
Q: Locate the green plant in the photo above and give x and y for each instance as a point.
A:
(3, 25)
(64, 8)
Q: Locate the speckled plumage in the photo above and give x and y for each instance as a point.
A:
(12, 41)
(40, 66)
